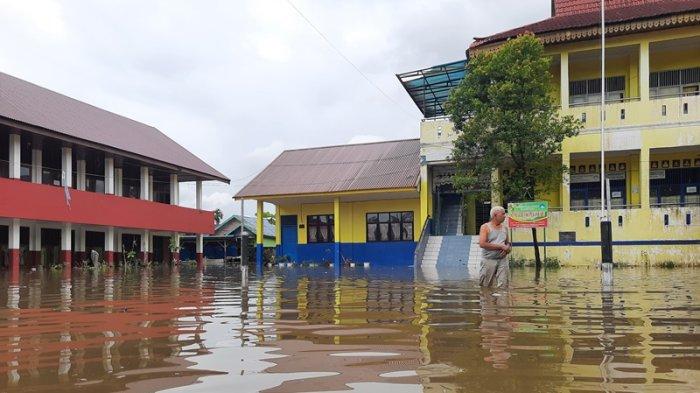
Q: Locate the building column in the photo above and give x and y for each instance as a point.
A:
(644, 177)
(80, 178)
(199, 246)
(13, 243)
(80, 254)
(67, 167)
(644, 71)
(118, 182)
(37, 172)
(336, 233)
(145, 242)
(109, 246)
(259, 235)
(15, 158)
(424, 192)
(564, 195)
(66, 248)
(144, 183)
(109, 175)
(564, 80)
(35, 244)
(174, 190)
(278, 231)
(175, 253)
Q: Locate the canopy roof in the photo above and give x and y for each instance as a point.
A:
(430, 87)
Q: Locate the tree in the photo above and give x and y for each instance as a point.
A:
(218, 215)
(270, 217)
(505, 117)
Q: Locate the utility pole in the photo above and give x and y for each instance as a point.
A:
(605, 225)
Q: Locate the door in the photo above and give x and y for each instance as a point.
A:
(289, 237)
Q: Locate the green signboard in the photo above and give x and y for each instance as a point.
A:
(528, 214)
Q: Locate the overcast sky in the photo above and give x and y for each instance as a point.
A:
(238, 82)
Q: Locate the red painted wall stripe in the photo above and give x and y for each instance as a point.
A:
(19, 199)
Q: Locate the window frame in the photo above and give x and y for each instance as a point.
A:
(330, 222)
(402, 222)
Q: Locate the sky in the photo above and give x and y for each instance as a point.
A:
(237, 82)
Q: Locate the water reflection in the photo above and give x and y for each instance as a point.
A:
(293, 330)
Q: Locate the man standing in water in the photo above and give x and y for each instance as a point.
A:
(495, 245)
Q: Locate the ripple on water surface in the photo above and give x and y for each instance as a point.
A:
(299, 330)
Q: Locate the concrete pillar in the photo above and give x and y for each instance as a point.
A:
(37, 171)
(109, 175)
(67, 167)
(174, 190)
(66, 248)
(424, 192)
(564, 80)
(278, 231)
(80, 254)
(13, 243)
(145, 242)
(35, 244)
(259, 235)
(175, 253)
(644, 177)
(118, 182)
(336, 231)
(144, 183)
(564, 195)
(199, 249)
(80, 179)
(15, 156)
(199, 194)
(109, 246)
(644, 72)
(150, 187)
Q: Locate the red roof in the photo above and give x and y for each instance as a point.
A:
(569, 7)
(367, 166)
(34, 105)
(588, 18)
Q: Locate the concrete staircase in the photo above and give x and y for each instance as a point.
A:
(452, 251)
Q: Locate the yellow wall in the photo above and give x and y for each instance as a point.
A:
(353, 216)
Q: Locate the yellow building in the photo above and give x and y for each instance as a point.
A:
(652, 140)
(393, 203)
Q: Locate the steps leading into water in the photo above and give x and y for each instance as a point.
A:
(451, 251)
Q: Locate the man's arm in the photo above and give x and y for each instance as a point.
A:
(483, 240)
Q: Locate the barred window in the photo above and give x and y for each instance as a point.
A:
(387, 227)
(677, 186)
(588, 91)
(320, 228)
(674, 82)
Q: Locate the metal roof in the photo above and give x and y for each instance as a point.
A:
(590, 18)
(430, 87)
(367, 166)
(33, 105)
(250, 225)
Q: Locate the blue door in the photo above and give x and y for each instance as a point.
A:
(289, 237)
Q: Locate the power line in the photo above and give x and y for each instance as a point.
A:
(340, 53)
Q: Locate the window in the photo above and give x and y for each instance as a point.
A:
(586, 195)
(388, 227)
(587, 91)
(320, 229)
(677, 186)
(673, 83)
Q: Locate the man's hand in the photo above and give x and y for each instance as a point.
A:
(505, 250)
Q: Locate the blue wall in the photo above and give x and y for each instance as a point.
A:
(381, 254)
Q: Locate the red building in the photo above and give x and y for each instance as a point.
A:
(76, 178)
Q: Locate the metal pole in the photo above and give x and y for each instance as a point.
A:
(605, 226)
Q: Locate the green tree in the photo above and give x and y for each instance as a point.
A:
(270, 217)
(506, 118)
(218, 215)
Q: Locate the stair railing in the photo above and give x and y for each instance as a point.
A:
(422, 241)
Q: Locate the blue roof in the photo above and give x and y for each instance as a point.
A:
(429, 88)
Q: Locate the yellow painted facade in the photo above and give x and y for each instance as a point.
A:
(640, 129)
(352, 223)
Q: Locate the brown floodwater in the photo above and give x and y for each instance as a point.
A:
(303, 329)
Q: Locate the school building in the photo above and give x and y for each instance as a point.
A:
(393, 202)
(76, 178)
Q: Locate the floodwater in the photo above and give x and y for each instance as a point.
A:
(300, 330)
